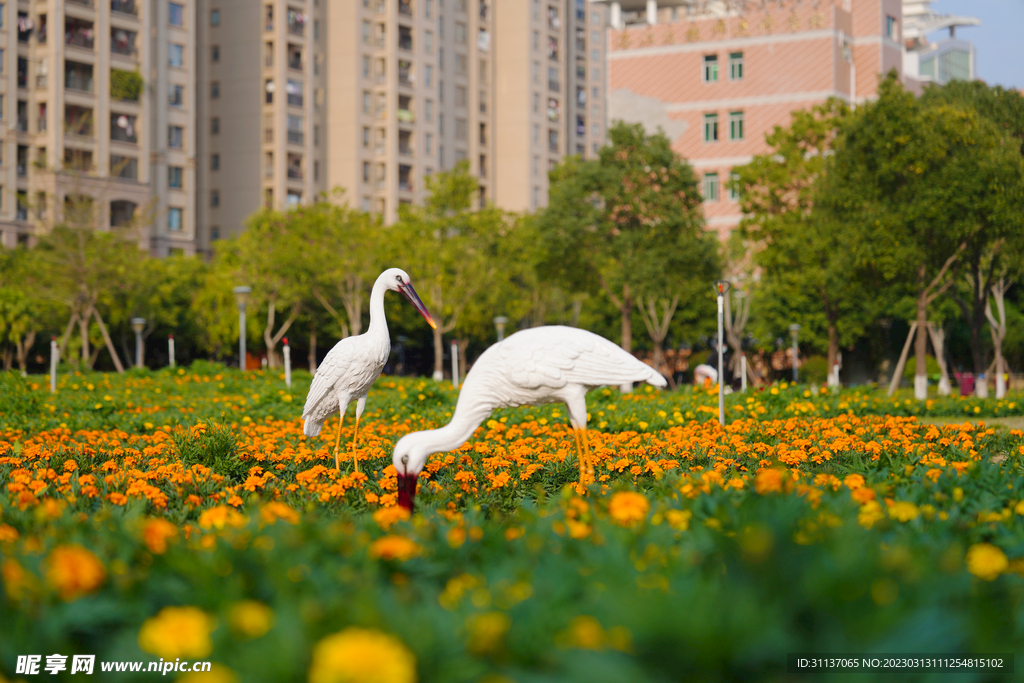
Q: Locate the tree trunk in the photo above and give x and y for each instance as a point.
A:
(107, 341)
(271, 338)
(312, 349)
(438, 355)
(833, 353)
(83, 329)
(997, 326)
(627, 318)
(23, 346)
(921, 345)
(8, 358)
(67, 332)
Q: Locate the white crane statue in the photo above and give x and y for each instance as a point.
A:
(531, 367)
(354, 364)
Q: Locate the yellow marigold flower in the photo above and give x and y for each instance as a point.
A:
(221, 516)
(768, 481)
(274, 510)
(678, 519)
(1019, 508)
(585, 632)
(394, 548)
(178, 632)
(385, 517)
(986, 561)
(251, 618)
(870, 513)
(74, 571)
(486, 631)
(358, 655)
(8, 534)
(904, 511)
(218, 673)
(863, 495)
(628, 508)
(17, 581)
(853, 481)
(155, 535)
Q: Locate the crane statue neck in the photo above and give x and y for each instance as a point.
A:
(378, 322)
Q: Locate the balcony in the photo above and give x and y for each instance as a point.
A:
(25, 27)
(83, 3)
(404, 38)
(294, 58)
(78, 121)
(122, 42)
(122, 129)
(78, 33)
(405, 8)
(295, 167)
(296, 23)
(78, 76)
(405, 143)
(296, 137)
(294, 92)
(22, 72)
(553, 86)
(405, 75)
(124, 7)
(405, 178)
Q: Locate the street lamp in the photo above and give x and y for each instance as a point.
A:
(794, 331)
(721, 287)
(740, 296)
(242, 298)
(138, 325)
(499, 326)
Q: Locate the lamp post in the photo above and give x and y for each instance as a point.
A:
(138, 325)
(794, 331)
(170, 348)
(721, 287)
(54, 358)
(740, 296)
(242, 298)
(499, 326)
(287, 363)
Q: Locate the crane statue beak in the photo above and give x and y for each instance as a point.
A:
(407, 490)
(414, 299)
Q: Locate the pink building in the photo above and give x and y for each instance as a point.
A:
(717, 76)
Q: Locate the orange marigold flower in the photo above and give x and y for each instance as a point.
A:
(628, 508)
(274, 510)
(8, 533)
(155, 535)
(385, 517)
(358, 655)
(178, 632)
(17, 581)
(394, 548)
(117, 498)
(74, 571)
(986, 561)
(768, 481)
(853, 481)
(863, 495)
(221, 516)
(870, 513)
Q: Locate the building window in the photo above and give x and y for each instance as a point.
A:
(214, 90)
(175, 136)
(366, 32)
(175, 175)
(552, 140)
(124, 167)
(175, 219)
(176, 55)
(735, 66)
(711, 187)
(215, 125)
(214, 234)
(710, 68)
(710, 127)
(214, 162)
(428, 110)
(428, 143)
(215, 53)
(214, 198)
(735, 125)
(176, 95)
(366, 137)
(734, 192)
(428, 75)
(176, 14)
(215, 17)
(535, 73)
(890, 27)
(461, 129)
(460, 33)
(367, 102)
(428, 8)
(460, 96)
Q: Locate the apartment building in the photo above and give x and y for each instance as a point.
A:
(262, 109)
(550, 93)
(941, 61)
(98, 97)
(718, 76)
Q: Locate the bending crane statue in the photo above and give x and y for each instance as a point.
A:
(354, 364)
(531, 367)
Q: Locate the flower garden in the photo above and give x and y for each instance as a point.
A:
(183, 514)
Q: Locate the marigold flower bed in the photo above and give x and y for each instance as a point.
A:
(184, 514)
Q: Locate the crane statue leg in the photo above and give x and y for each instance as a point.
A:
(337, 441)
(355, 435)
(577, 406)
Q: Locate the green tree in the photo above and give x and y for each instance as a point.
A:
(24, 311)
(623, 222)
(809, 271)
(456, 251)
(912, 182)
(992, 242)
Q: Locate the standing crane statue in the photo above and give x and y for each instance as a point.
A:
(531, 367)
(354, 364)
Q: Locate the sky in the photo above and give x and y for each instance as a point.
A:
(999, 41)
